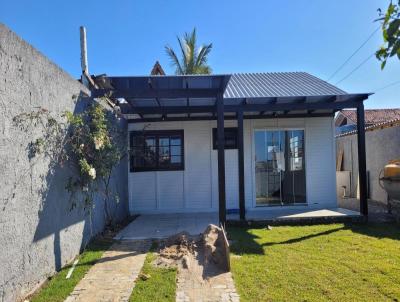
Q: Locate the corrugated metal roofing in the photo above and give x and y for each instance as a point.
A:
(278, 84)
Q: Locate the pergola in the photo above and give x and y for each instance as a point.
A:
(208, 97)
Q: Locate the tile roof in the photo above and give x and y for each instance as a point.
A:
(373, 116)
(387, 124)
(278, 84)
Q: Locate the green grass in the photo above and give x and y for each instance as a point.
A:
(161, 285)
(336, 262)
(58, 288)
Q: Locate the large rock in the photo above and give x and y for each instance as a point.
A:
(216, 247)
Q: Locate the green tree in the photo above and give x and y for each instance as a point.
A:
(391, 33)
(194, 59)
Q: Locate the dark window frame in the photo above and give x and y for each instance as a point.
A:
(227, 131)
(157, 134)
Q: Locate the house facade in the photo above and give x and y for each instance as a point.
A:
(272, 177)
(230, 143)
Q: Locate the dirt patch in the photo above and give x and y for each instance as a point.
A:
(176, 250)
(202, 265)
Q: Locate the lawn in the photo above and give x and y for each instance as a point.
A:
(161, 285)
(57, 289)
(335, 262)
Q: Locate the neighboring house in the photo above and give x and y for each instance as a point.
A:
(346, 120)
(157, 69)
(278, 138)
(382, 145)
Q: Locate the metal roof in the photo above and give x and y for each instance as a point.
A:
(278, 84)
(258, 95)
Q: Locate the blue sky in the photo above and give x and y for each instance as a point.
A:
(127, 37)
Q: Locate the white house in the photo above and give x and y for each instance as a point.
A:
(277, 148)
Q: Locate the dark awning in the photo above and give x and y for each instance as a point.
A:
(194, 97)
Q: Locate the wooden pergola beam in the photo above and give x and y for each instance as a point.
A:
(362, 164)
(221, 159)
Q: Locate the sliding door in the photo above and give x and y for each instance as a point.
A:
(279, 167)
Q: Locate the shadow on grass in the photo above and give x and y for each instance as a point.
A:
(390, 230)
(246, 242)
(302, 238)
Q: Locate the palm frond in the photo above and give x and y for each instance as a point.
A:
(203, 69)
(190, 42)
(194, 60)
(203, 53)
(174, 59)
(184, 51)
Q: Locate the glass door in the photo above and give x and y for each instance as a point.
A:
(279, 167)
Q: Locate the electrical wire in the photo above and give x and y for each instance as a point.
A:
(353, 54)
(387, 86)
(355, 69)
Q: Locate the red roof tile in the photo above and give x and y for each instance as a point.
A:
(373, 116)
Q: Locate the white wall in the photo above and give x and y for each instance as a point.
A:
(196, 188)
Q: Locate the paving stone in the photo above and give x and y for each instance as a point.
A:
(113, 277)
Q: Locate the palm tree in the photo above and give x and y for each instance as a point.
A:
(194, 60)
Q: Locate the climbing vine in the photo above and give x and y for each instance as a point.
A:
(89, 143)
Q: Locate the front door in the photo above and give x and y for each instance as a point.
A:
(279, 167)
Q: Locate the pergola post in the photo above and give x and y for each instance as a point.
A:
(362, 166)
(242, 209)
(221, 159)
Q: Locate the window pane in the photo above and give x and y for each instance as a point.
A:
(163, 141)
(138, 141)
(157, 150)
(150, 141)
(175, 150)
(176, 141)
(176, 159)
(150, 157)
(163, 151)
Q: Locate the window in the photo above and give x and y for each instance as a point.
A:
(156, 150)
(296, 155)
(231, 135)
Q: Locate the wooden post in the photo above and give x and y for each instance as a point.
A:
(221, 159)
(362, 166)
(242, 207)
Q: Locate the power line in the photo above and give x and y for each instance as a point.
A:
(387, 86)
(355, 69)
(352, 55)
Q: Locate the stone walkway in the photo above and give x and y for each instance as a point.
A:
(200, 282)
(112, 277)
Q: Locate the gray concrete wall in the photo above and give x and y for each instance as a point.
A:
(382, 145)
(38, 232)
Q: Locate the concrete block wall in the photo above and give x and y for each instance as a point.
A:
(381, 146)
(38, 232)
